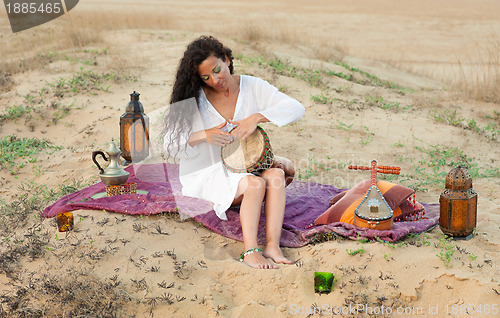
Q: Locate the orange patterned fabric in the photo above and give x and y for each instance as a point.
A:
(344, 204)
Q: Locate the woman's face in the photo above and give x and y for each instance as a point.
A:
(215, 72)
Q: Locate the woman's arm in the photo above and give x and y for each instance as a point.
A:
(267, 104)
(279, 108)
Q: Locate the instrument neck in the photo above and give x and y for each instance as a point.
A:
(374, 173)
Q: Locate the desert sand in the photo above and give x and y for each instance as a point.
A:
(410, 83)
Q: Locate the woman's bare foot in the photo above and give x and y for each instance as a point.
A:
(256, 260)
(275, 253)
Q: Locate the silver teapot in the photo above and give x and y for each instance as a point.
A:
(114, 174)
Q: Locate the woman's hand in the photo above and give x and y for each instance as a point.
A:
(245, 127)
(215, 136)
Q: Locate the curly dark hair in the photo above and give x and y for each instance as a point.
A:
(188, 84)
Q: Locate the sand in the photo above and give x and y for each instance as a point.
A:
(162, 266)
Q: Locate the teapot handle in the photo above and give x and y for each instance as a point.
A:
(94, 154)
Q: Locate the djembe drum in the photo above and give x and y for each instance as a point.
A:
(252, 155)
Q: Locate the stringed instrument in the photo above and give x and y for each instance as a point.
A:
(374, 212)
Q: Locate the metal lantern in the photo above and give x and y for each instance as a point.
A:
(458, 204)
(134, 131)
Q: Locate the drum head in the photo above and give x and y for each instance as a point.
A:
(241, 156)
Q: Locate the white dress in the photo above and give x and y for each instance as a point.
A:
(201, 172)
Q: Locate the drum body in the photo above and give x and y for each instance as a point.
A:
(252, 155)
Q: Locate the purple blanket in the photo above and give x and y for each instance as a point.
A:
(305, 202)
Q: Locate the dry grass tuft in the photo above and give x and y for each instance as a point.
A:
(331, 52)
(481, 80)
(6, 82)
(30, 50)
(134, 19)
(75, 294)
(14, 249)
(63, 291)
(19, 66)
(81, 38)
(31, 201)
(26, 208)
(253, 31)
(27, 50)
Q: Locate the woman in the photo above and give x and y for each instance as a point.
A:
(207, 102)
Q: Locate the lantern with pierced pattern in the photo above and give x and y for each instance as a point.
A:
(134, 131)
(458, 204)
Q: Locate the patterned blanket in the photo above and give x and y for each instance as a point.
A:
(305, 202)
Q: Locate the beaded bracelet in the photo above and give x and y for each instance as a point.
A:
(248, 252)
